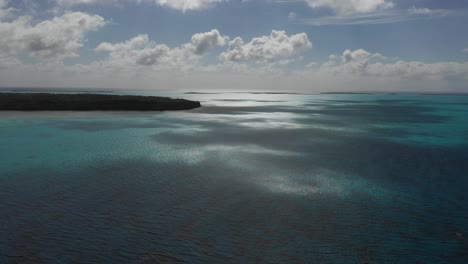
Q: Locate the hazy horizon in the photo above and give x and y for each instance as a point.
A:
(217, 91)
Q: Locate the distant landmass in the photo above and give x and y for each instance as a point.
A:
(399, 92)
(90, 102)
(278, 93)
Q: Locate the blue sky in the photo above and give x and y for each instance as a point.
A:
(300, 45)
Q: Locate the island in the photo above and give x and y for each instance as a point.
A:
(90, 102)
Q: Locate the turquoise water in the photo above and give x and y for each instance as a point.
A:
(248, 178)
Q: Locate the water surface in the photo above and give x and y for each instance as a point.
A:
(248, 178)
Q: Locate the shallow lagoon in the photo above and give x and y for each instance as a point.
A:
(248, 178)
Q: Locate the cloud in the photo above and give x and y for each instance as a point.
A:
(141, 51)
(4, 11)
(7, 61)
(429, 12)
(420, 10)
(181, 5)
(185, 5)
(382, 17)
(361, 63)
(79, 2)
(177, 68)
(356, 61)
(61, 5)
(292, 16)
(202, 42)
(58, 38)
(351, 7)
(359, 12)
(465, 50)
(277, 46)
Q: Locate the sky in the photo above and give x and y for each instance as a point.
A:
(239, 45)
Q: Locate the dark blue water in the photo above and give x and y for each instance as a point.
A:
(248, 178)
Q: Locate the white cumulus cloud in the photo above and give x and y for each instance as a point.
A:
(60, 37)
(202, 42)
(277, 46)
(141, 51)
(361, 63)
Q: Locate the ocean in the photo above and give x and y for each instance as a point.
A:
(247, 178)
